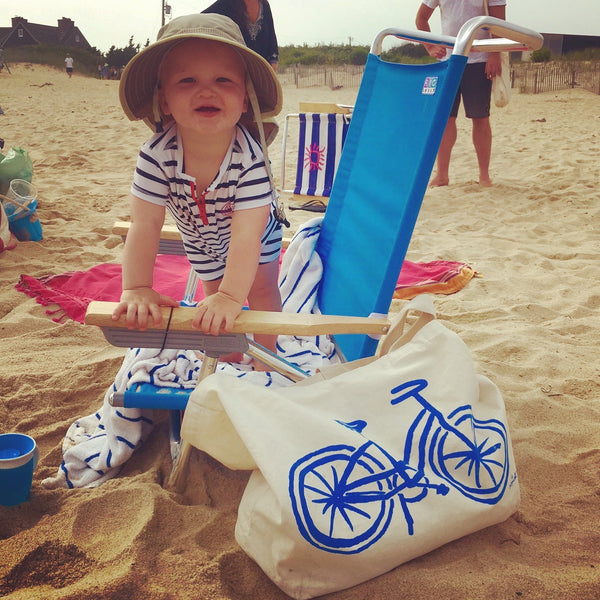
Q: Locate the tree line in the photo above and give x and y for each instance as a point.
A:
(88, 61)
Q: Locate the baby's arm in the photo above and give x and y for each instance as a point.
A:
(225, 299)
(138, 299)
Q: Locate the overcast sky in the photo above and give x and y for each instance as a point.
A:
(112, 22)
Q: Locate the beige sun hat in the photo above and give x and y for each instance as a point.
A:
(138, 89)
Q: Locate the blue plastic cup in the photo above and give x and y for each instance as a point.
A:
(20, 209)
(18, 458)
(25, 225)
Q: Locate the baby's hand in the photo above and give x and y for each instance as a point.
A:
(139, 304)
(216, 313)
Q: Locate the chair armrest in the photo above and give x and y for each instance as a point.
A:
(170, 239)
(252, 321)
(325, 107)
(168, 232)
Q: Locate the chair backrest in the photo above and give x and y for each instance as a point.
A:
(394, 135)
(320, 141)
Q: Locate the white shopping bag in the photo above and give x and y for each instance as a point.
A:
(358, 473)
(501, 84)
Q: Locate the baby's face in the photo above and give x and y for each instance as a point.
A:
(203, 87)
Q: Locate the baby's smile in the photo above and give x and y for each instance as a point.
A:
(207, 109)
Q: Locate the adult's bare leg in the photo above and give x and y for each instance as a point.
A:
(443, 158)
(482, 140)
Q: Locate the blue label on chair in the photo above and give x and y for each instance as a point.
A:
(430, 85)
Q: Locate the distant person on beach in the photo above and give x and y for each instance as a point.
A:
(203, 165)
(255, 20)
(476, 84)
(69, 65)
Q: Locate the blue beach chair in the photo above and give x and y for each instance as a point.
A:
(390, 149)
(397, 126)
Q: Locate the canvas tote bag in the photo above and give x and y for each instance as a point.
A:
(357, 473)
(501, 84)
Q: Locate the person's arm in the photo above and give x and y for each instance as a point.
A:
(493, 66)
(217, 312)
(139, 301)
(422, 22)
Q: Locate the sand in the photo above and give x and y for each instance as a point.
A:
(531, 322)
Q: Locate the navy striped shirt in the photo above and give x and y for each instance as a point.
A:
(203, 217)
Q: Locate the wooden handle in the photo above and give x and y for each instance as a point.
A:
(252, 321)
(168, 232)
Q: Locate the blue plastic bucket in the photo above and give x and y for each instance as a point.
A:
(18, 458)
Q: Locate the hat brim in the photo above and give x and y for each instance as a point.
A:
(140, 77)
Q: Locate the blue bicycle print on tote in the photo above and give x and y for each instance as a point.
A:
(343, 497)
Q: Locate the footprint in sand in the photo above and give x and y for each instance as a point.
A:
(52, 563)
(122, 516)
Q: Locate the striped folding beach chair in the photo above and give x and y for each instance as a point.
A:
(322, 130)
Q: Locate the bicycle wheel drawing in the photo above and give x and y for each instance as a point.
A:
(339, 499)
(472, 456)
(343, 497)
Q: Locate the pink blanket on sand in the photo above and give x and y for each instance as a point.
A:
(73, 291)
